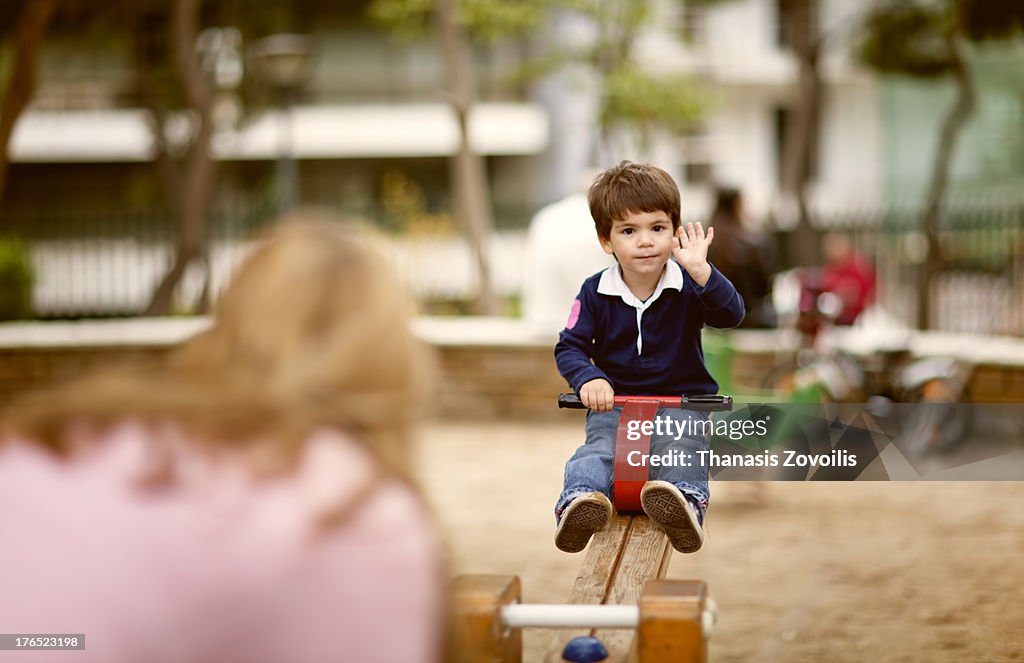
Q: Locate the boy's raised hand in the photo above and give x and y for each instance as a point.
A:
(692, 251)
(598, 395)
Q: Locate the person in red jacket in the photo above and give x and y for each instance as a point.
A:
(849, 274)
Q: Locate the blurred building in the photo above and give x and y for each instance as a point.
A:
(876, 132)
(369, 134)
(370, 103)
(741, 52)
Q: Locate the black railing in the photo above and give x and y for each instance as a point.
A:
(105, 263)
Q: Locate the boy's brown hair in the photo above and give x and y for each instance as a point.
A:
(632, 187)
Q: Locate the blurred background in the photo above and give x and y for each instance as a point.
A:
(144, 142)
(141, 147)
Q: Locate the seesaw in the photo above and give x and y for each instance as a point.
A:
(621, 607)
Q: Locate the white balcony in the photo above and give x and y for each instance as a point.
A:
(318, 132)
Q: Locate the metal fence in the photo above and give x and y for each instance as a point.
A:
(105, 264)
(100, 264)
(979, 288)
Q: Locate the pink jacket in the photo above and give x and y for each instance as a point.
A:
(220, 567)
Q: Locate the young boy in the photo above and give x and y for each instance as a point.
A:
(635, 329)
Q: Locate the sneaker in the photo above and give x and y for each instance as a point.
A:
(585, 516)
(668, 507)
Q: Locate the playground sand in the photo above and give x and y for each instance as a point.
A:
(802, 571)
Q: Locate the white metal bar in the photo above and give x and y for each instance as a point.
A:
(569, 615)
(709, 617)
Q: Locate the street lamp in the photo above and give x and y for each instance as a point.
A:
(283, 61)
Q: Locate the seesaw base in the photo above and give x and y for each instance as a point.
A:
(624, 565)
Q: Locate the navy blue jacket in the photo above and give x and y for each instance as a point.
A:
(601, 338)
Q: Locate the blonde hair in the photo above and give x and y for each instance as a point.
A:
(312, 332)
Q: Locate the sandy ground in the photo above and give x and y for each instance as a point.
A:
(862, 571)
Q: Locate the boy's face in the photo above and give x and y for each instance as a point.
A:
(642, 243)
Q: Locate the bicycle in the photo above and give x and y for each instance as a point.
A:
(884, 379)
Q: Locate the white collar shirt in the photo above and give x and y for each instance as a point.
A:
(612, 283)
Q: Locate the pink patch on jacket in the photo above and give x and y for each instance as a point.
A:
(574, 315)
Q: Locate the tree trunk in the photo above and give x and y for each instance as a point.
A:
(199, 168)
(802, 132)
(32, 22)
(143, 26)
(952, 125)
(468, 172)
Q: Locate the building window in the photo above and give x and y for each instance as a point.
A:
(690, 22)
(695, 156)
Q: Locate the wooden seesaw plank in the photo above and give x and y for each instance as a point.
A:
(594, 579)
(602, 559)
(645, 557)
(619, 560)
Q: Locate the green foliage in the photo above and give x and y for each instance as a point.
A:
(910, 37)
(906, 37)
(487, 20)
(543, 65)
(629, 96)
(613, 15)
(16, 278)
(675, 103)
(404, 208)
(407, 19)
(495, 19)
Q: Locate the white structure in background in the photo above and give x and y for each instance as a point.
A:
(321, 132)
(117, 275)
(569, 96)
(734, 47)
(562, 250)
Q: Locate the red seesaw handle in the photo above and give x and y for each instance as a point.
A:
(630, 479)
(700, 402)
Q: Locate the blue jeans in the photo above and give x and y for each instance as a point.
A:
(590, 468)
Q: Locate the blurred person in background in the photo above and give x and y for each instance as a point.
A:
(848, 274)
(743, 257)
(246, 500)
(560, 254)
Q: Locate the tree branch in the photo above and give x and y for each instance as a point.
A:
(952, 126)
(199, 172)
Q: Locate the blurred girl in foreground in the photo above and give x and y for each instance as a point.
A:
(247, 500)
